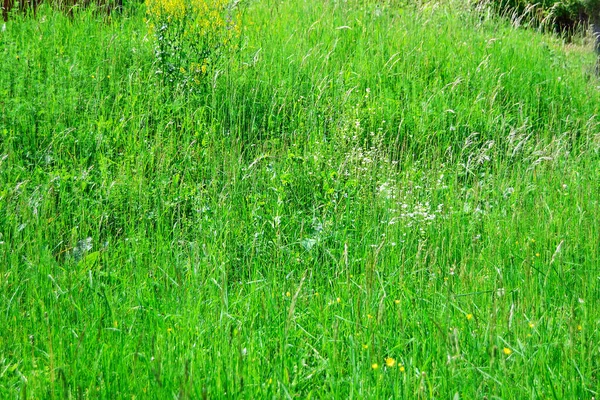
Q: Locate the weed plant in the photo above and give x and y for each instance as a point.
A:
(191, 37)
(369, 200)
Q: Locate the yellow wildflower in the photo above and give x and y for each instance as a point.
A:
(390, 362)
(193, 27)
(507, 351)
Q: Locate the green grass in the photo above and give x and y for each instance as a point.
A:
(362, 180)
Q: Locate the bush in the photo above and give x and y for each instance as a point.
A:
(562, 16)
(192, 38)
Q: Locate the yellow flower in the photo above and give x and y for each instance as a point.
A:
(338, 300)
(579, 327)
(365, 346)
(169, 330)
(507, 351)
(390, 362)
(288, 294)
(202, 26)
(401, 368)
(531, 324)
(469, 317)
(397, 301)
(369, 316)
(375, 366)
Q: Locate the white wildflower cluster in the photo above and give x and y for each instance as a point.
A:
(419, 213)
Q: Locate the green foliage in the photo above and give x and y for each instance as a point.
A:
(372, 201)
(562, 16)
(192, 38)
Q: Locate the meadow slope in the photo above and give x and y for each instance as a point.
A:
(368, 200)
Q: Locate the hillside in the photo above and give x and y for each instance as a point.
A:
(355, 199)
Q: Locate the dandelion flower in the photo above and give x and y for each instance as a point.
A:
(288, 294)
(507, 351)
(375, 366)
(338, 300)
(579, 327)
(365, 346)
(469, 317)
(402, 369)
(390, 362)
(397, 301)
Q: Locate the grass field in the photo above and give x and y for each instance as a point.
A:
(369, 199)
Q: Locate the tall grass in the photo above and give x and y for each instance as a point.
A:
(369, 200)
